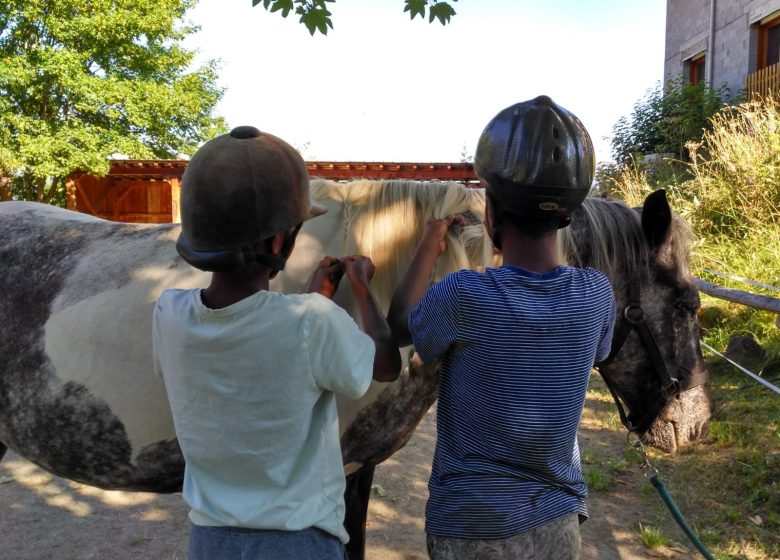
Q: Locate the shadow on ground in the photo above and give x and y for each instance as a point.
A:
(48, 518)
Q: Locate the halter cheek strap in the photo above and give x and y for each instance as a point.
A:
(634, 319)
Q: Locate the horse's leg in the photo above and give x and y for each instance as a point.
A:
(3, 449)
(356, 498)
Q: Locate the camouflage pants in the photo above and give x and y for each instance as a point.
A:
(557, 540)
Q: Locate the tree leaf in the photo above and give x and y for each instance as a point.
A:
(415, 8)
(441, 11)
(285, 6)
(317, 18)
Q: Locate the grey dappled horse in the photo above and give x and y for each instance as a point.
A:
(78, 395)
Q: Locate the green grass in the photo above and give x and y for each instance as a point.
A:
(599, 470)
(732, 477)
(757, 258)
(597, 479)
(652, 537)
(722, 483)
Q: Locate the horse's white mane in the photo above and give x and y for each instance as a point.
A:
(387, 219)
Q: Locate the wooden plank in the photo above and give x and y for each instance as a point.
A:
(71, 195)
(83, 196)
(148, 169)
(175, 200)
(738, 296)
(763, 83)
(339, 171)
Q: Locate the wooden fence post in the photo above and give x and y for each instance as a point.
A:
(175, 198)
(738, 296)
(71, 196)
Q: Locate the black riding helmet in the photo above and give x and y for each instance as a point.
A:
(238, 190)
(536, 159)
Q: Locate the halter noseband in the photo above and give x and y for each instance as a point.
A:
(634, 318)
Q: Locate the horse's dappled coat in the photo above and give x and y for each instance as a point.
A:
(78, 394)
(69, 339)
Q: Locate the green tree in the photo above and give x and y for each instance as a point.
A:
(84, 80)
(314, 14)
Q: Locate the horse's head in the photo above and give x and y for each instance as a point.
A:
(656, 367)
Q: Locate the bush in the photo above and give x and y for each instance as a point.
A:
(665, 120)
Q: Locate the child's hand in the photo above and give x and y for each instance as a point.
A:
(359, 269)
(436, 231)
(326, 277)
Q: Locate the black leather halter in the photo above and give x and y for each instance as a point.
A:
(634, 318)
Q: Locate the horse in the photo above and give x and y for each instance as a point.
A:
(660, 388)
(78, 395)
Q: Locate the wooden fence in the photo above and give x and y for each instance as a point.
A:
(149, 190)
(741, 297)
(763, 83)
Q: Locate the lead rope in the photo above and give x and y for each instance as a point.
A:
(658, 484)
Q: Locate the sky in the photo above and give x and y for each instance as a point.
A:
(380, 87)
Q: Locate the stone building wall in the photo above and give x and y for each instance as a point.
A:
(735, 46)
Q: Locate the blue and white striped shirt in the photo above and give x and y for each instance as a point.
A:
(517, 348)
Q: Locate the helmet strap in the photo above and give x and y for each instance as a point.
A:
(495, 212)
(277, 262)
(495, 233)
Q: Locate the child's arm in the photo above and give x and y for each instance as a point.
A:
(387, 358)
(414, 283)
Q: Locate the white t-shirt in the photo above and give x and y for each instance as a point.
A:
(251, 387)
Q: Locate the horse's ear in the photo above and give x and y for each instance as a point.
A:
(656, 219)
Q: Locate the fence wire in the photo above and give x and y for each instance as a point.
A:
(741, 279)
(758, 378)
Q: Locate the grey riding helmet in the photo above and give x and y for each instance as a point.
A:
(240, 189)
(536, 159)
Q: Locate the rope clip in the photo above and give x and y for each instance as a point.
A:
(646, 466)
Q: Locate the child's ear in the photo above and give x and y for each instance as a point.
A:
(277, 243)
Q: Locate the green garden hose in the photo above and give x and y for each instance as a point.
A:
(678, 516)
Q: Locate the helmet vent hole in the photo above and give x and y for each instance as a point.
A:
(557, 154)
(556, 132)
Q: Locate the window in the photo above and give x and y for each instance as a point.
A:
(696, 69)
(769, 42)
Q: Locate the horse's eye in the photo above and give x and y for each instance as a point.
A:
(688, 300)
(689, 304)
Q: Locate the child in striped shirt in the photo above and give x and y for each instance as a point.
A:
(516, 345)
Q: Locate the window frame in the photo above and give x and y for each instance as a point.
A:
(763, 38)
(699, 60)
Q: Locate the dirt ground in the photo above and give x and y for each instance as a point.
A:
(47, 518)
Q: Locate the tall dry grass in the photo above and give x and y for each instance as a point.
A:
(731, 200)
(735, 189)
